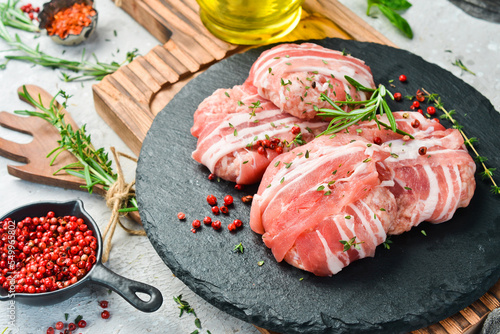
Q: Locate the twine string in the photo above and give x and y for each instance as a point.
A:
(117, 197)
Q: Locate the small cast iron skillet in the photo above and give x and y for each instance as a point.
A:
(98, 274)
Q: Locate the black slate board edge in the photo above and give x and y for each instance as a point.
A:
(217, 298)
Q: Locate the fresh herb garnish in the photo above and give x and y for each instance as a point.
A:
(239, 248)
(342, 120)
(487, 172)
(390, 8)
(350, 243)
(183, 306)
(459, 63)
(15, 18)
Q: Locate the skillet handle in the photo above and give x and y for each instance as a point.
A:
(127, 288)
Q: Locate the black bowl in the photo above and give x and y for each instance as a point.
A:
(98, 274)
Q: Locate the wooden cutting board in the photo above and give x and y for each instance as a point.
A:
(129, 99)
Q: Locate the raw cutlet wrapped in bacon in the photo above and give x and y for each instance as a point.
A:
(293, 76)
(239, 133)
(317, 195)
(431, 176)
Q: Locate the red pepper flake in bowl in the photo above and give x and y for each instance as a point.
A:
(71, 20)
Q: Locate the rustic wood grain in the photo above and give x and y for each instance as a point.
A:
(37, 166)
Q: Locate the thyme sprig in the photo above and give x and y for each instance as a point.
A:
(376, 104)
(487, 172)
(14, 17)
(89, 70)
(93, 165)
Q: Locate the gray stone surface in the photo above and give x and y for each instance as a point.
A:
(492, 323)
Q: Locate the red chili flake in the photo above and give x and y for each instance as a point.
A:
(216, 225)
(212, 200)
(207, 220)
(415, 123)
(431, 110)
(231, 227)
(422, 150)
(398, 96)
(228, 200)
(211, 176)
(181, 215)
(224, 209)
(377, 140)
(215, 210)
(196, 223)
(237, 223)
(247, 199)
(402, 78)
(238, 186)
(71, 20)
(295, 130)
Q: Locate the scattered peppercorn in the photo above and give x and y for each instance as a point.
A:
(431, 110)
(82, 324)
(228, 200)
(377, 140)
(415, 123)
(216, 225)
(247, 199)
(295, 130)
(224, 209)
(196, 223)
(402, 78)
(181, 215)
(398, 96)
(211, 176)
(231, 227)
(103, 303)
(207, 220)
(105, 314)
(238, 186)
(422, 150)
(237, 223)
(215, 210)
(212, 200)
(416, 104)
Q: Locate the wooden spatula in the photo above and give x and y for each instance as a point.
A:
(34, 154)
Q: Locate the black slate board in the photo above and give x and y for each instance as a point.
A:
(419, 281)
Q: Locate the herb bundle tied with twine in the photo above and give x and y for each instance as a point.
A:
(92, 165)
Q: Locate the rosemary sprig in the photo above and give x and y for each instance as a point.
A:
(93, 165)
(89, 70)
(459, 63)
(487, 172)
(342, 120)
(14, 17)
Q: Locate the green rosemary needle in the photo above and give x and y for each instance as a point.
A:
(376, 104)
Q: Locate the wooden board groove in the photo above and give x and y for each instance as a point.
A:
(188, 48)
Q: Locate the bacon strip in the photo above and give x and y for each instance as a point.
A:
(293, 76)
(229, 132)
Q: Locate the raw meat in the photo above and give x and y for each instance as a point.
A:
(232, 124)
(294, 75)
(430, 186)
(318, 194)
